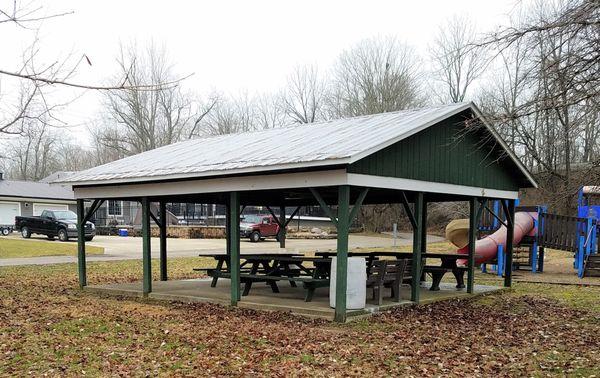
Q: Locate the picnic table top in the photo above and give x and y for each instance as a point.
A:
(458, 256)
(243, 255)
(320, 256)
(287, 258)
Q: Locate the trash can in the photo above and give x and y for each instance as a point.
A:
(356, 284)
(123, 232)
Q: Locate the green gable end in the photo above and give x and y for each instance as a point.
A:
(445, 153)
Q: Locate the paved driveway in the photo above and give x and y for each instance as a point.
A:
(128, 248)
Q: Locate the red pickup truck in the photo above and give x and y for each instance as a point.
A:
(258, 227)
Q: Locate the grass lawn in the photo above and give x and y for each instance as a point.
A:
(10, 248)
(48, 326)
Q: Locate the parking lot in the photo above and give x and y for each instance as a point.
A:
(126, 248)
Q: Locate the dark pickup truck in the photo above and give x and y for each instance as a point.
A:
(61, 223)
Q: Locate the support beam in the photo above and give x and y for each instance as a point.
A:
(357, 205)
(475, 211)
(227, 231)
(81, 263)
(234, 239)
(509, 209)
(342, 253)
(423, 234)
(408, 211)
(287, 222)
(146, 253)
(95, 206)
(424, 225)
(417, 248)
(324, 206)
(162, 213)
(494, 215)
(282, 230)
(281, 222)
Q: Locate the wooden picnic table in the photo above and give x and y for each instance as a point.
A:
(448, 264)
(271, 269)
(222, 267)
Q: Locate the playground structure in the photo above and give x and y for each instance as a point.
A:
(535, 230)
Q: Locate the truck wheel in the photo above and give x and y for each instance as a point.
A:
(89, 238)
(50, 237)
(255, 237)
(25, 233)
(6, 231)
(62, 235)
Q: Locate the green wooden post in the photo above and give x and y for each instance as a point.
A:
(510, 232)
(227, 232)
(234, 240)
(146, 253)
(81, 264)
(417, 248)
(342, 253)
(424, 226)
(163, 240)
(473, 224)
(423, 234)
(281, 235)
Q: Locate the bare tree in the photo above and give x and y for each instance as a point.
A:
(549, 109)
(33, 156)
(375, 76)
(304, 97)
(37, 79)
(140, 120)
(270, 112)
(231, 115)
(456, 63)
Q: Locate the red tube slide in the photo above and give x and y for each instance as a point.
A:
(486, 248)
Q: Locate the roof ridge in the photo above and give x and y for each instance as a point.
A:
(311, 124)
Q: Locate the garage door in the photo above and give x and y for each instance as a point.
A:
(39, 207)
(8, 212)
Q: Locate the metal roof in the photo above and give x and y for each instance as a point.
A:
(58, 176)
(32, 189)
(335, 142)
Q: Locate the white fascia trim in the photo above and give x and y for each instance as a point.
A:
(413, 131)
(217, 185)
(427, 186)
(38, 200)
(213, 173)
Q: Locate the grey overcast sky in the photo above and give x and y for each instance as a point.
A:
(232, 46)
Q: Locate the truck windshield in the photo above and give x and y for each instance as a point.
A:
(65, 215)
(252, 219)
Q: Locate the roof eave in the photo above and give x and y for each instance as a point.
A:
(210, 174)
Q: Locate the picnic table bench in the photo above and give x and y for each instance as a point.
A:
(448, 264)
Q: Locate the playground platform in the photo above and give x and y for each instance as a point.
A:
(289, 299)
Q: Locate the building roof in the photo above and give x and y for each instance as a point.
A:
(34, 190)
(58, 176)
(331, 143)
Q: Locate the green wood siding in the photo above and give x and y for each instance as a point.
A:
(446, 153)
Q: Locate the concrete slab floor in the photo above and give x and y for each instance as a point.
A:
(289, 299)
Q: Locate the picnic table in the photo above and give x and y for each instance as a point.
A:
(222, 268)
(271, 268)
(448, 264)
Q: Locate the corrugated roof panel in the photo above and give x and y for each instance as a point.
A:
(323, 143)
